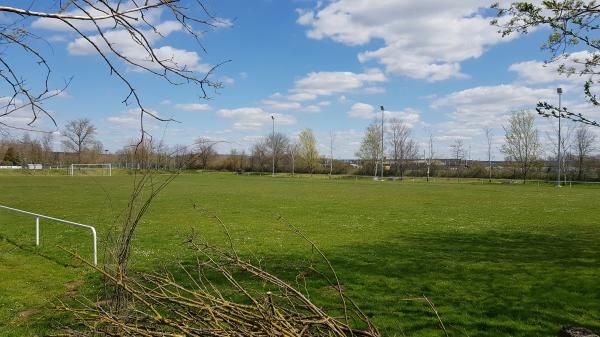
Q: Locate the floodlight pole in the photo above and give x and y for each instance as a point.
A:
(273, 145)
(382, 151)
(559, 92)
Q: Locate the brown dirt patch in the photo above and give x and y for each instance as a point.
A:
(28, 313)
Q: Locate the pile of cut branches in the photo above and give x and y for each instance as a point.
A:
(221, 295)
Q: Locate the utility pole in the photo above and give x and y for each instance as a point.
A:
(331, 135)
(292, 149)
(273, 144)
(382, 150)
(559, 92)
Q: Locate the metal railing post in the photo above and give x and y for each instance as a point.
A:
(37, 232)
(37, 227)
(94, 246)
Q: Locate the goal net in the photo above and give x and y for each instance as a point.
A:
(90, 170)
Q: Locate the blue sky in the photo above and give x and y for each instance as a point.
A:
(325, 65)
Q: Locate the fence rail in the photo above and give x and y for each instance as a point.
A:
(37, 227)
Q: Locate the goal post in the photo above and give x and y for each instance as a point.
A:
(90, 170)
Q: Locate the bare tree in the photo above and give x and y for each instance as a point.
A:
(120, 32)
(457, 151)
(47, 147)
(430, 156)
(260, 155)
(489, 135)
(183, 156)
(370, 147)
(276, 145)
(331, 138)
(307, 150)
(79, 134)
(566, 146)
(292, 151)
(584, 146)
(522, 142)
(402, 147)
(205, 152)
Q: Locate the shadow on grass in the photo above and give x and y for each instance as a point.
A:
(483, 284)
(515, 284)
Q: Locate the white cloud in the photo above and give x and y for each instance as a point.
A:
(228, 80)
(302, 97)
(537, 72)
(476, 108)
(362, 110)
(329, 83)
(486, 100)
(312, 109)
(131, 118)
(254, 118)
(366, 111)
(326, 83)
(423, 39)
(222, 23)
(281, 105)
(192, 107)
(122, 42)
(134, 18)
(16, 113)
(375, 90)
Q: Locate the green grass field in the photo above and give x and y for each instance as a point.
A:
(497, 260)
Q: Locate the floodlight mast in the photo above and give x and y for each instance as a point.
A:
(273, 146)
(559, 91)
(382, 151)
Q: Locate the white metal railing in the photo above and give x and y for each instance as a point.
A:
(37, 227)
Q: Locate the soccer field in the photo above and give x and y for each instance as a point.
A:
(497, 260)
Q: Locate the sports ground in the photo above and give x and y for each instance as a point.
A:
(496, 259)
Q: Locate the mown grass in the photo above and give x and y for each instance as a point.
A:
(497, 260)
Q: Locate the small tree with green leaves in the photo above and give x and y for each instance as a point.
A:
(307, 150)
(522, 141)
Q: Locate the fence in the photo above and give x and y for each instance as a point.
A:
(37, 227)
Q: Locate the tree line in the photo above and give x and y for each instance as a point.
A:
(397, 153)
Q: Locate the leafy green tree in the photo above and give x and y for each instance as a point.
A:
(11, 157)
(522, 142)
(307, 150)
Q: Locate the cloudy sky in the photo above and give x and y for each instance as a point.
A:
(325, 65)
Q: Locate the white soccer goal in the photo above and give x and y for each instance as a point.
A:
(90, 170)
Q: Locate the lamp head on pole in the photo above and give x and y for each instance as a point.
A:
(559, 91)
(381, 106)
(272, 117)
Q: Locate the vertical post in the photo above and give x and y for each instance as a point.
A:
(331, 154)
(559, 92)
(382, 151)
(37, 232)
(110, 170)
(273, 144)
(95, 246)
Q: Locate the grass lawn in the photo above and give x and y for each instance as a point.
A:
(497, 260)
